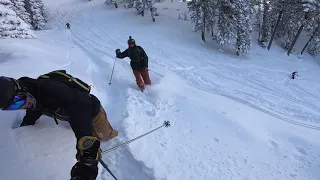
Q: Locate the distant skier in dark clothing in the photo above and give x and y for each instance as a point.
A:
(294, 75)
(68, 26)
(57, 99)
(138, 63)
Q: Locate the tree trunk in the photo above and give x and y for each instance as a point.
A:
(264, 30)
(212, 31)
(295, 40)
(310, 39)
(297, 35)
(275, 29)
(203, 30)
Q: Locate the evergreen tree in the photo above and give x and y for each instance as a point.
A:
(210, 9)
(293, 17)
(11, 25)
(258, 22)
(314, 46)
(227, 28)
(242, 9)
(312, 7)
(111, 2)
(19, 8)
(203, 14)
(195, 17)
(36, 10)
(275, 16)
(7, 3)
(265, 22)
(130, 4)
(139, 5)
(153, 10)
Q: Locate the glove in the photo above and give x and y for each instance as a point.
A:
(80, 171)
(89, 149)
(118, 51)
(88, 154)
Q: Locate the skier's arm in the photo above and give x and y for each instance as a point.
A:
(87, 145)
(123, 54)
(145, 57)
(31, 117)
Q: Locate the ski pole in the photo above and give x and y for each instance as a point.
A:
(106, 167)
(165, 124)
(113, 69)
(156, 73)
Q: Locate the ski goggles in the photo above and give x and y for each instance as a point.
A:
(131, 43)
(18, 102)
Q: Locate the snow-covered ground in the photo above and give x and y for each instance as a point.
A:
(231, 117)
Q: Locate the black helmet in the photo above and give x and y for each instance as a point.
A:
(131, 41)
(8, 89)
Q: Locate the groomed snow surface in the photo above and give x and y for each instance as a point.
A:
(232, 118)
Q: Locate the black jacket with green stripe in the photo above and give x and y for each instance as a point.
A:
(56, 99)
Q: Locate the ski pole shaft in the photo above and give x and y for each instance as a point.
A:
(165, 124)
(107, 168)
(113, 69)
(156, 73)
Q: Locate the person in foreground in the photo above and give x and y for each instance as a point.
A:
(138, 63)
(59, 95)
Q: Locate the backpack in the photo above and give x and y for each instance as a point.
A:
(63, 76)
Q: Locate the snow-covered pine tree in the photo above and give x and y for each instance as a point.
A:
(242, 9)
(265, 22)
(210, 8)
(43, 10)
(142, 6)
(313, 9)
(227, 27)
(311, 5)
(153, 10)
(19, 8)
(258, 18)
(195, 17)
(293, 17)
(11, 25)
(130, 4)
(139, 5)
(7, 3)
(203, 15)
(111, 2)
(314, 45)
(36, 10)
(275, 16)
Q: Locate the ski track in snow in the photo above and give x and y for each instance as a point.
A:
(248, 89)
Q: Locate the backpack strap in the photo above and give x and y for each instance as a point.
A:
(67, 76)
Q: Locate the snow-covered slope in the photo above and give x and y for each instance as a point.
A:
(231, 117)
